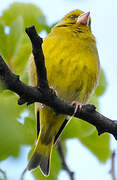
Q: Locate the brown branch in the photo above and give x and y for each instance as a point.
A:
(37, 41)
(112, 171)
(63, 162)
(4, 174)
(43, 94)
(23, 173)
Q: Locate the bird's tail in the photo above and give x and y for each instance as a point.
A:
(41, 156)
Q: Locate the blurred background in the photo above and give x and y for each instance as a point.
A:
(88, 156)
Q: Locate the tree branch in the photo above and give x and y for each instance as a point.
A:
(64, 165)
(4, 174)
(23, 173)
(37, 41)
(43, 94)
(112, 171)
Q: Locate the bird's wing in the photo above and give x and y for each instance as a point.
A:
(61, 129)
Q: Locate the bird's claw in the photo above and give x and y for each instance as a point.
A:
(78, 105)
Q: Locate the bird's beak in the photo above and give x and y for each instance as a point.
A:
(83, 19)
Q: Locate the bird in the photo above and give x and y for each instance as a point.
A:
(73, 69)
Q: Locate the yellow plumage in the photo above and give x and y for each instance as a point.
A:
(72, 64)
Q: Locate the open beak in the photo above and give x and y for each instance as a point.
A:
(83, 19)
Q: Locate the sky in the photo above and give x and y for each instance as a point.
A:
(104, 27)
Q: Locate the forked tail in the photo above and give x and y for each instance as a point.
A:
(41, 156)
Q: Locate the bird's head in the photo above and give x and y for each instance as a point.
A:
(76, 19)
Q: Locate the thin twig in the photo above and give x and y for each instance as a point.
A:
(23, 173)
(112, 171)
(63, 162)
(4, 174)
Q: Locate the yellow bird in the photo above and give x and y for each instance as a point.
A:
(72, 63)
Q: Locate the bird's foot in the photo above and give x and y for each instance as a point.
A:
(78, 105)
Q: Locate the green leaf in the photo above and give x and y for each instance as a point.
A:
(29, 130)
(15, 38)
(13, 133)
(10, 129)
(20, 61)
(101, 88)
(2, 86)
(6, 93)
(98, 145)
(87, 134)
(30, 13)
(77, 128)
(3, 40)
(18, 47)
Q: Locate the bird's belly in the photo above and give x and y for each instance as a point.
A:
(72, 78)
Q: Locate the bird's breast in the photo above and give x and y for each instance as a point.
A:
(72, 68)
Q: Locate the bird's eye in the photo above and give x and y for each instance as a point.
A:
(73, 16)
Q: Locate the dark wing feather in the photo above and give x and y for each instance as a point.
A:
(61, 129)
(38, 123)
